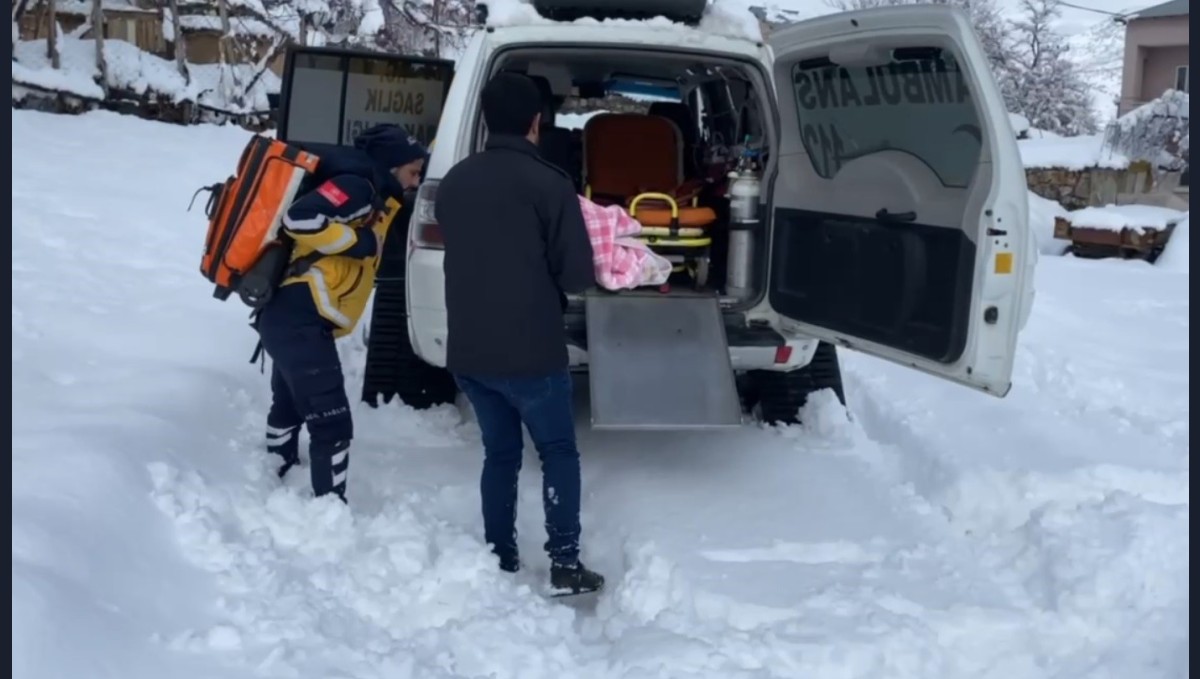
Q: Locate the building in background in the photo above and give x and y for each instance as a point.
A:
(1156, 54)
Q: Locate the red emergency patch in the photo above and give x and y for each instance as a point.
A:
(333, 194)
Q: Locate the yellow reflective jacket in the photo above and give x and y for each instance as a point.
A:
(341, 286)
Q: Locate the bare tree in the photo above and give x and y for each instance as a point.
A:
(438, 25)
(1039, 81)
(19, 8)
(98, 37)
(178, 44)
(52, 35)
(230, 89)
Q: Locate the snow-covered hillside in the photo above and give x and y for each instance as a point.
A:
(936, 534)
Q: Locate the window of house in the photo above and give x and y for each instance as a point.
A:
(1181, 79)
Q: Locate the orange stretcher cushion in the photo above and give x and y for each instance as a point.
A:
(689, 217)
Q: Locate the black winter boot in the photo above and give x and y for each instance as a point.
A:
(284, 442)
(566, 579)
(330, 464)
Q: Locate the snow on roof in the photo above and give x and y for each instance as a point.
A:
(1119, 217)
(239, 25)
(66, 79)
(84, 7)
(1069, 153)
(131, 69)
(1173, 8)
(725, 18)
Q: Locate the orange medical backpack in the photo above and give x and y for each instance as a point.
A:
(244, 214)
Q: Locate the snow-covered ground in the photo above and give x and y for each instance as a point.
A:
(934, 534)
(1175, 256)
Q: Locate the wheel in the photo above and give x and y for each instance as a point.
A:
(393, 368)
(779, 395)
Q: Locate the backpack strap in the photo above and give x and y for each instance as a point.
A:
(259, 356)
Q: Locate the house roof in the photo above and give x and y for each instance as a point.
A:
(1173, 8)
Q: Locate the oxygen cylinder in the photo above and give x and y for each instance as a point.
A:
(743, 194)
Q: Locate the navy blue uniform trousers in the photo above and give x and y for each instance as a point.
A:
(307, 389)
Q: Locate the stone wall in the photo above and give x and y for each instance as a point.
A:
(1075, 189)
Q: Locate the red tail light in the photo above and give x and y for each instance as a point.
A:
(425, 230)
(783, 354)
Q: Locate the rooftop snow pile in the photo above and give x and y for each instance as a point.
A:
(137, 72)
(724, 18)
(1070, 153)
(1120, 217)
(781, 13)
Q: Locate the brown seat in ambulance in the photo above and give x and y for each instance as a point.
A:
(628, 155)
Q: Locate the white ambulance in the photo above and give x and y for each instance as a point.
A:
(886, 206)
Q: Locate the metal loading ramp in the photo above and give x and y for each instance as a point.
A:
(659, 362)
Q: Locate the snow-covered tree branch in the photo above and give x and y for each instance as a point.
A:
(1028, 57)
(1038, 79)
(1156, 132)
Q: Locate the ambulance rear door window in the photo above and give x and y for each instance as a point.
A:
(918, 103)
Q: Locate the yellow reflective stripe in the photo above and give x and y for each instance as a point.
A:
(320, 293)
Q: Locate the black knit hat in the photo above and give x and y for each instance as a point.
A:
(389, 145)
(510, 102)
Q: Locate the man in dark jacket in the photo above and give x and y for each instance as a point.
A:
(515, 244)
(338, 223)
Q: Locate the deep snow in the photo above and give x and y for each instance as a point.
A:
(1176, 256)
(936, 533)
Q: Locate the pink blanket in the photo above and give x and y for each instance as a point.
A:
(622, 262)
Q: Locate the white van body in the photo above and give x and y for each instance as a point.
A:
(969, 209)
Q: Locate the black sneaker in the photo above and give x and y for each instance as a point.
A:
(510, 565)
(574, 579)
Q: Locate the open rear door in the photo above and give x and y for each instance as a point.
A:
(899, 200)
(329, 96)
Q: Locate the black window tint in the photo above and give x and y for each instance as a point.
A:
(917, 103)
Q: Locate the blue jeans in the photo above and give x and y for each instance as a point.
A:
(544, 405)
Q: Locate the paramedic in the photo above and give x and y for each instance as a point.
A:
(338, 217)
(515, 242)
